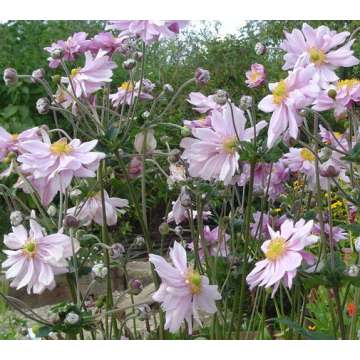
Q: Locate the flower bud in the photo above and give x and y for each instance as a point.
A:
(332, 94)
(220, 97)
(202, 76)
(16, 218)
(9, 157)
(10, 76)
(260, 49)
(129, 64)
(135, 287)
(178, 230)
(43, 105)
(57, 53)
(246, 102)
(38, 74)
(138, 55)
(75, 194)
(303, 112)
(116, 251)
(168, 88)
(56, 78)
(72, 318)
(185, 200)
(99, 270)
(174, 155)
(150, 143)
(164, 228)
(329, 171)
(185, 131)
(353, 270)
(144, 312)
(52, 210)
(139, 241)
(70, 221)
(145, 114)
(135, 167)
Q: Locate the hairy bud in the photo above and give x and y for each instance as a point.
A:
(38, 74)
(16, 218)
(10, 76)
(71, 221)
(135, 286)
(43, 105)
(202, 76)
(129, 64)
(220, 97)
(260, 49)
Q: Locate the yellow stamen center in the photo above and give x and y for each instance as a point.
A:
(74, 72)
(230, 145)
(255, 76)
(127, 86)
(61, 147)
(279, 93)
(276, 248)
(14, 137)
(348, 83)
(193, 279)
(307, 155)
(30, 248)
(317, 56)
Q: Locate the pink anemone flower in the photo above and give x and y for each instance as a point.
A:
(183, 291)
(105, 41)
(212, 153)
(91, 209)
(51, 167)
(202, 103)
(256, 76)
(35, 258)
(319, 47)
(284, 253)
(287, 98)
(127, 92)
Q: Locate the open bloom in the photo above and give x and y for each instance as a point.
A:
(91, 209)
(347, 93)
(284, 253)
(127, 92)
(51, 167)
(72, 47)
(256, 76)
(319, 47)
(105, 41)
(337, 232)
(148, 30)
(288, 96)
(183, 291)
(35, 258)
(212, 153)
(92, 77)
(202, 103)
(300, 159)
(214, 244)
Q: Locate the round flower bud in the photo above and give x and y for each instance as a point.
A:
(16, 218)
(10, 76)
(185, 131)
(129, 64)
(52, 210)
(145, 114)
(246, 102)
(144, 312)
(353, 270)
(75, 194)
(116, 251)
(329, 171)
(99, 270)
(168, 88)
(138, 55)
(332, 94)
(202, 76)
(38, 74)
(260, 49)
(357, 244)
(164, 228)
(178, 230)
(174, 155)
(57, 53)
(220, 97)
(303, 112)
(70, 221)
(56, 78)
(43, 105)
(185, 200)
(139, 241)
(135, 287)
(72, 318)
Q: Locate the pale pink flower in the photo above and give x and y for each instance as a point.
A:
(338, 233)
(284, 254)
(96, 72)
(35, 258)
(148, 30)
(72, 47)
(319, 47)
(127, 92)
(334, 138)
(256, 76)
(288, 96)
(262, 231)
(202, 103)
(300, 159)
(51, 167)
(202, 122)
(215, 243)
(91, 209)
(105, 41)
(13, 142)
(212, 153)
(347, 93)
(183, 292)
